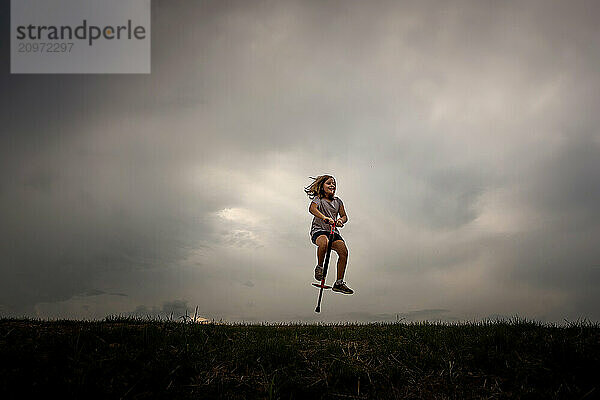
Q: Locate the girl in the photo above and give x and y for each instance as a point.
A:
(325, 208)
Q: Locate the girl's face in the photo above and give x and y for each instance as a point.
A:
(329, 187)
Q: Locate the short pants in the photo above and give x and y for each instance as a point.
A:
(336, 236)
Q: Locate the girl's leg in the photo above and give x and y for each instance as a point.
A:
(321, 249)
(340, 248)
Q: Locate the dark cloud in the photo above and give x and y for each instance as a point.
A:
(463, 135)
(557, 249)
(91, 292)
(566, 185)
(97, 292)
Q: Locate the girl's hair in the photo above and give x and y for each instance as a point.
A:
(315, 189)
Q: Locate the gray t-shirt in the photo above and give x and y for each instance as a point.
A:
(327, 208)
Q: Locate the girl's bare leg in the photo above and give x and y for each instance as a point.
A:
(340, 248)
(321, 249)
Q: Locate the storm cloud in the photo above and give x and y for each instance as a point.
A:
(463, 137)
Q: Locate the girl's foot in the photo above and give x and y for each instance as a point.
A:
(342, 288)
(319, 273)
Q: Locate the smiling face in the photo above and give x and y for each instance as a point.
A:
(329, 188)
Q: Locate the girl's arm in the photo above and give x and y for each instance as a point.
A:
(315, 211)
(343, 216)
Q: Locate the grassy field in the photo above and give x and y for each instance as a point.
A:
(136, 358)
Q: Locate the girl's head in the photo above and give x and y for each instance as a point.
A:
(322, 186)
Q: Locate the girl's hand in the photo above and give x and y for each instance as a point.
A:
(329, 220)
(339, 223)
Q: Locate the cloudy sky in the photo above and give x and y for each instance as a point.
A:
(463, 136)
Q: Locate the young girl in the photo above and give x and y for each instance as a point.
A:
(325, 207)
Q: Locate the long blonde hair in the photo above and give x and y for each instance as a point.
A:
(315, 189)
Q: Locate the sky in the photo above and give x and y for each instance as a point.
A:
(463, 137)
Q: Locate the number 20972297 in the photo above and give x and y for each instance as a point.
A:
(43, 47)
